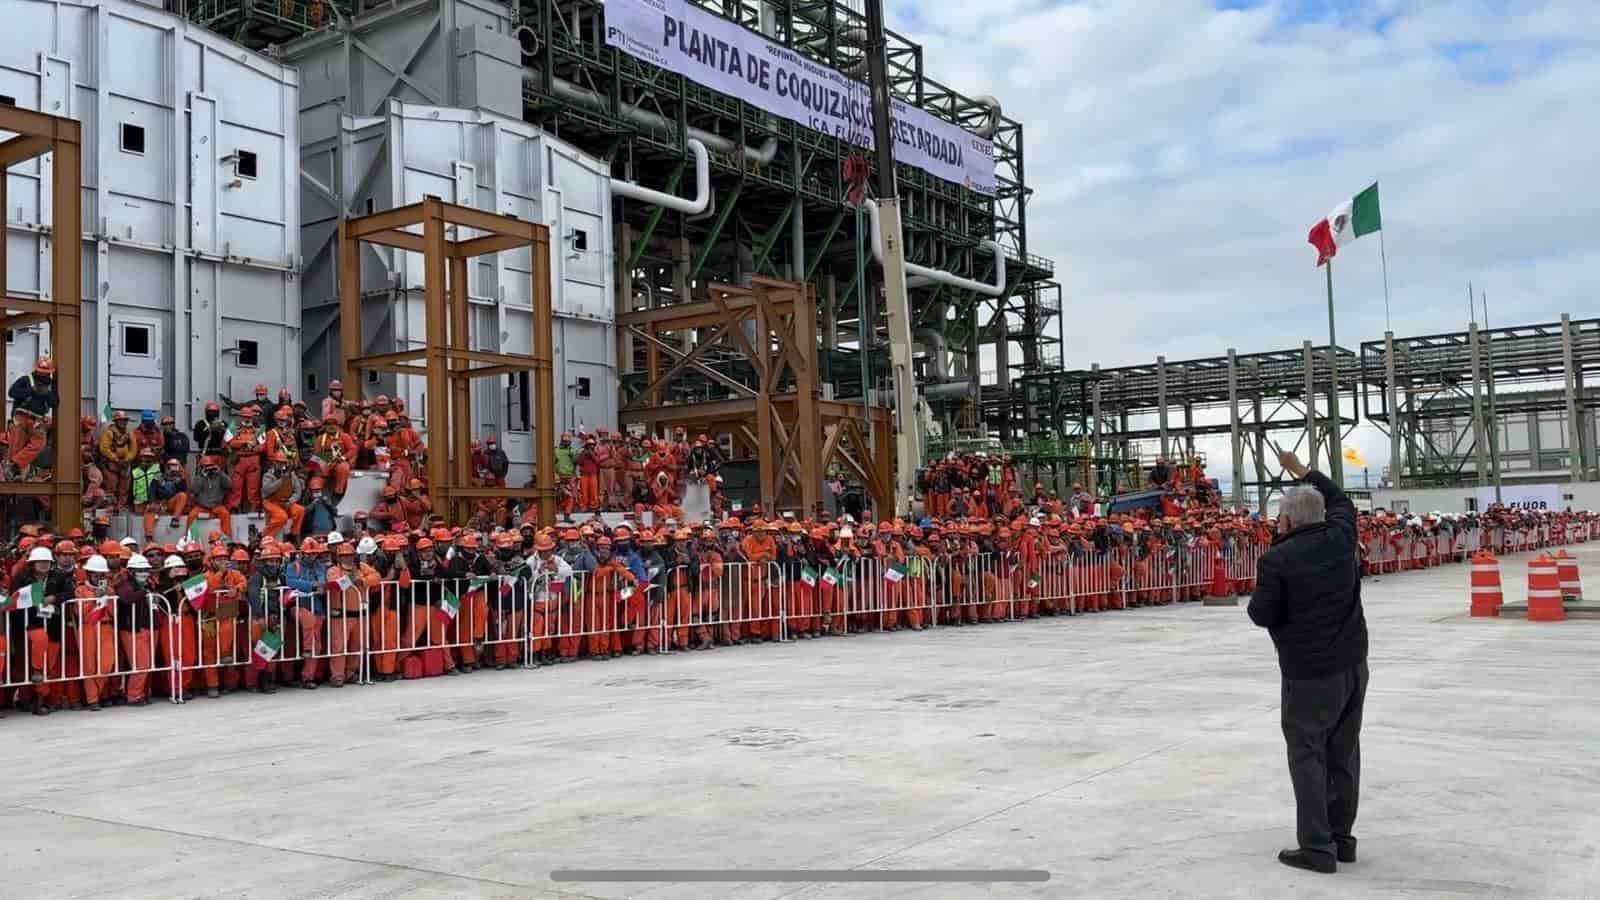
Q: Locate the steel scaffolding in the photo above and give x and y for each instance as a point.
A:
(1408, 384)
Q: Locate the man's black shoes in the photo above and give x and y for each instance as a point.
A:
(1347, 852)
(1299, 859)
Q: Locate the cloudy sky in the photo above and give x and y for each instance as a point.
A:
(1180, 150)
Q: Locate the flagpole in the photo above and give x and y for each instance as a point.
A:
(1335, 451)
(1383, 257)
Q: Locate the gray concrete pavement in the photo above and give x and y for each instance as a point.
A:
(1131, 754)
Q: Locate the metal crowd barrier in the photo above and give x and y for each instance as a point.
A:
(92, 648)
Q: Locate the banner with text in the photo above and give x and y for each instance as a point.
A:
(711, 51)
(1523, 496)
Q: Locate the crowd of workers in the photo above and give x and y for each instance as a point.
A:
(90, 620)
(292, 462)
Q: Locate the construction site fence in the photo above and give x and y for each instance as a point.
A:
(172, 645)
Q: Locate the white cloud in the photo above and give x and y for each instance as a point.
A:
(1180, 153)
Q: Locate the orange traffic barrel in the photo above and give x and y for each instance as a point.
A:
(1486, 595)
(1544, 590)
(1567, 569)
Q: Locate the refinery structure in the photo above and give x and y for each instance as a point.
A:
(707, 254)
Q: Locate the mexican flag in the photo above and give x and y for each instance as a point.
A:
(895, 574)
(830, 578)
(342, 583)
(266, 649)
(574, 588)
(449, 607)
(480, 584)
(626, 592)
(809, 576)
(28, 597)
(99, 612)
(1349, 220)
(195, 590)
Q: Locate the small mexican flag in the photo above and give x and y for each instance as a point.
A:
(1033, 584)
(266, 649)
(27, 597)
(342, 583)
(830, 578)
(626, 592)
(480, 584)
(195, 590)
(1349, 220)
(449, 607)
(894, 574)
(809, 576)
(99, 612)
(106, 412)
(573, 588)
(507, 584)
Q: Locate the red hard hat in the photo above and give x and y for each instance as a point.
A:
(213, 407)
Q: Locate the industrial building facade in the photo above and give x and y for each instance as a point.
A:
(190, 203)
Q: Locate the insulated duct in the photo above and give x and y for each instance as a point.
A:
(702, 186)
(998, 289)
(647, 119)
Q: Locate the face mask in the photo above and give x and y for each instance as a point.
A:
(141, 578)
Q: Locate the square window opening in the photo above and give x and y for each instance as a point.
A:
(249, 353)
(580, 239)
(372, 376)
(136, 340)
(311, 382)
(245, 165)
(132, 138)
(7, 100)
(583, 387)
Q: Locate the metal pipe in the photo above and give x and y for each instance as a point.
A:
(998, 289)
(643, 117)
(937, 348)
(702, 185)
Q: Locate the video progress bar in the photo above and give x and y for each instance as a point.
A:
(943, 876)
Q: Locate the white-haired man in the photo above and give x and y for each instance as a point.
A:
(1308, 597)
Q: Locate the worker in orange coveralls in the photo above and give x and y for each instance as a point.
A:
(349, 585)
(96, 626)
(606, 586)
(589, 470)
(604, 453)
(245, 448)
(281, 484)
(760, 548)
(335, 451)
(219, 619)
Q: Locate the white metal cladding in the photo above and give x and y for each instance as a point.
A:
(190, 260)
(459, 53)
(488, 162)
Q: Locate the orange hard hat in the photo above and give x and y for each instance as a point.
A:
(271, 550)
(220, 550)
(603, 541)
(424, 544)
(544, 544)
(316, 484)
(45, 366)
(469, 542)
(239, 556)
(67, 548)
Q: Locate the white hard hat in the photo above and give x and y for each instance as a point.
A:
(846, 533)
(365, 545)
(173, 562)
(96, 563)
(334, 537)
(138, 563)
(41, 554)
(128, 542)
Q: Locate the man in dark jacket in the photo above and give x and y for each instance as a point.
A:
(1308, 597)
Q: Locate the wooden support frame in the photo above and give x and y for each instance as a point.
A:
(780, 418)
(446, 360)
(36, 134)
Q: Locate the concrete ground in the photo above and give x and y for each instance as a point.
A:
(1130, 754)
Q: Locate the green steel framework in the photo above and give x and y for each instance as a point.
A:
(788, 217)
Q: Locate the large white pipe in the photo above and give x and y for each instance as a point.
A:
(577, 93)
(938, 276)
(702, 185)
